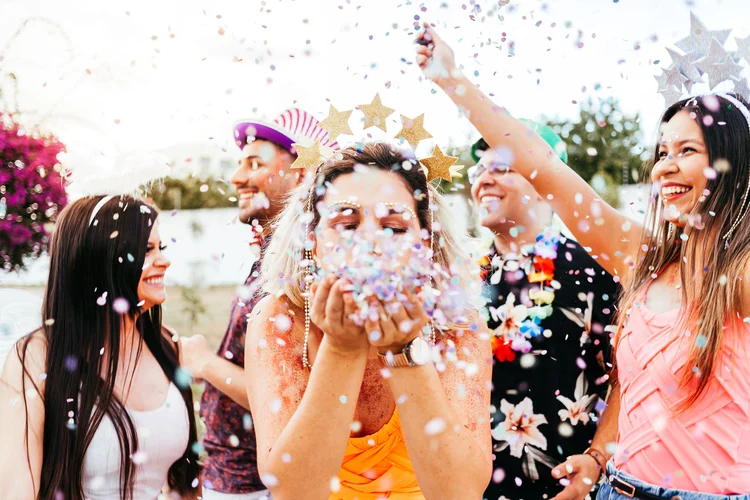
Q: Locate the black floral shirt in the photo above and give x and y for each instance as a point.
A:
(549, 309)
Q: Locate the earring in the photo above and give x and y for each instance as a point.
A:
(308, 281)
(670, 231)
(743, 211)
(432, 247)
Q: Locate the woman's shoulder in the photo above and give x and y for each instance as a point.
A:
(276, 318)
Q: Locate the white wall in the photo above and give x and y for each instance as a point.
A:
(220, 255)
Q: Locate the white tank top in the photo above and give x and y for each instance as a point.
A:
(163, 435)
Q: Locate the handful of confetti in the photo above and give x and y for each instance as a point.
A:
(386, 267)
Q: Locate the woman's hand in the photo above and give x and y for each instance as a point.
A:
(434, 56)
(397, 323)
(331, 309)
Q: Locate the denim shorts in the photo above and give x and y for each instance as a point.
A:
(607, 492)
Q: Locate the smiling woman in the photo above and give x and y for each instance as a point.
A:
(681, 141)
(89, 411)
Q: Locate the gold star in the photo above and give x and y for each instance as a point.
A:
(307, 156)
(375, 113)
(336, 123)
(413, 130)
(441, 166)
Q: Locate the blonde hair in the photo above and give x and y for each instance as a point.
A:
(283, 271)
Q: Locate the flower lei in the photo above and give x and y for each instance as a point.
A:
(518, 323)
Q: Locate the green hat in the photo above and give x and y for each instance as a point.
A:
(545, 132)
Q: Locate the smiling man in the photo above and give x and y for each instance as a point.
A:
(262, 180)
(548, 304)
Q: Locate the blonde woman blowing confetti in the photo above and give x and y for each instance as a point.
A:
(363, 383)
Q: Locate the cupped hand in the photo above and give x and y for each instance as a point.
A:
(332, 308)
(397, 323)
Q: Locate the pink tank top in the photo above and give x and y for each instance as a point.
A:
(707, 447)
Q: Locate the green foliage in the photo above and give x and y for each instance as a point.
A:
(604, 145)
(191, 193)
(193, 305)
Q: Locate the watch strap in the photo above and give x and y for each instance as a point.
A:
(391, 360)
(396, 360)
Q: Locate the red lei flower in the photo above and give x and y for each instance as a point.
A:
(502, 350)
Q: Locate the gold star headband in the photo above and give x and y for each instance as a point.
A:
(437, 166)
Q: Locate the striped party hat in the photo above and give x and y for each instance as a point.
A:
(292, 126)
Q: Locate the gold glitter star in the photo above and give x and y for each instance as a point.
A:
(413, 130)
(375, 113)
(336, 123)
(441, 166)
(307, 157)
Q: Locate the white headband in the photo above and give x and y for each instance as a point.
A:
(738, 104)
(99, 206)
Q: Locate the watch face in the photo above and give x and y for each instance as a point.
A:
(419, 351)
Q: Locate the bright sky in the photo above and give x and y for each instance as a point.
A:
(136, 75)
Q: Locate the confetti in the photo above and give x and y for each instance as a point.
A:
(435, 426)
(269, 480)
(375, 268)
(120, 305)
(335, 484)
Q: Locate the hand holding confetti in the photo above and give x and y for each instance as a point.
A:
(393, 274)
(434, 56)
(332, 309)
(396, 323)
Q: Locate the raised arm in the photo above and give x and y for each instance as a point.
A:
(302, 426)
(22, 422)
(606, 233)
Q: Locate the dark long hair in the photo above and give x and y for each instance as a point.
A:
(90, 255)
(711, 266)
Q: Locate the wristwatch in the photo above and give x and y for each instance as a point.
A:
(415, 353)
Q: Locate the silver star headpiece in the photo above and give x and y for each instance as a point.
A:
(704, 55)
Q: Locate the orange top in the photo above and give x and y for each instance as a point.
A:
(377, 467)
